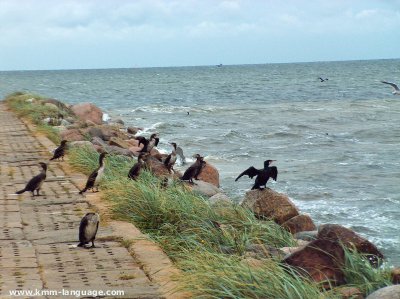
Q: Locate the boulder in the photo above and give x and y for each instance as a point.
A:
(119, 121)
(135, 150)
(299, 223)
(209, 174)
(258, 251)
(390, 292)
(156, 167)
(267, 203)
(116, 150)
(350, 239)
(133, 130)
(88, 111)
(203, 188)
(56, 104)
(321, 260)
(72, 135)
(133, 142)
(51, 106)
(289, 250)
(350, 293)
(307, 235)
(219, 198)
(118, 142)
(395, 275)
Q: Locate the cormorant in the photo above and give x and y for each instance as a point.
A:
(88, 229)
(194, 170)
(36, 182)
(171, 158)
(95, 176)
(179, 152)
(60, 151)
(135, 170)
(263, 175)
(148, 144)
(396, 90)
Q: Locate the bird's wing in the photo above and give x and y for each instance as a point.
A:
(251, 172)
(392, 84)
(34, 183)
(133, 171)
(157, 141)
(166, 161)
(82, 226)
(189, 173)
(142, 140)
(273, 172)
(91, 179)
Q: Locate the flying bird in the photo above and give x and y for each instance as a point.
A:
(60, 151)
(322, 79)
(88, 229)
(36, 182)
(262, 175)
(396, 90)
(95, 177)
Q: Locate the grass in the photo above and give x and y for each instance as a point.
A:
(208, 243)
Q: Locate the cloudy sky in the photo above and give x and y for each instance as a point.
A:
(69, 34)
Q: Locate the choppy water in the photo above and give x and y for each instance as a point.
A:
(336, 143)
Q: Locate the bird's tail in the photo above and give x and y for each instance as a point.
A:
(20, 191)
(52, 159)
(83, 190)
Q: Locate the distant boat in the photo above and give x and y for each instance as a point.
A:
(219, 65)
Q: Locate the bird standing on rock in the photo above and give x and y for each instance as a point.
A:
(36, 182)
(135, 170)
(88, 229)
(148, 144)
(194, 170)
(263, 175)
(171, 158)
(60, 151)
(95, 176)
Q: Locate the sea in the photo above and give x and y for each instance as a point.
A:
(336, 143)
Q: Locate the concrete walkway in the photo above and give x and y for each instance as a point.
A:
(38, 237)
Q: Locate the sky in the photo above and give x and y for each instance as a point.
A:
(87, 34)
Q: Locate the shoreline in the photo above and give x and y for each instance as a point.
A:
(290, 218)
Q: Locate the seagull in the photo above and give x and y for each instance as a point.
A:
(322, 79)
(396, 90)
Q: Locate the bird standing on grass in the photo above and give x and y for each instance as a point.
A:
(263, 175)
(60, 151)
(396, 90)
(88, 229)
(95, 176)
(134, 172)
(171, 158)
(36, 182)
(194, 170)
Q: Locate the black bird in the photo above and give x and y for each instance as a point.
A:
(194, 170)
(88, 229)
(396, 90)
(322, 79)
(135, 170)
(60, 151)
(36, 182)
(171, 158)
(148, 144)
(263, 175)
(95, 176)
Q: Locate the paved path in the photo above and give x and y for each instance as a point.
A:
(38, 236)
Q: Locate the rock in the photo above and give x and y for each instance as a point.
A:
(299, 223)
(203, 188)
(89, 123)
(321, 260)
(156, 167)
(350, 239)
(390, 292)
(133, 142)
(88, 111)
(252, 262)
(58, 105)
(116, 150)
(65, 123)
(267, 203)
(119, 142)
(51, 106)
(258, 251)
(82, 144)
(98, 141)
(133, 130)
(301, 242)
(105, 132)
(350, 293)
(135, 150)
(289, 250)
(156, 154)
(219, 198)
(72, 135)
(119, 121)
(395, 275)
(307, 235)
(210, 175)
